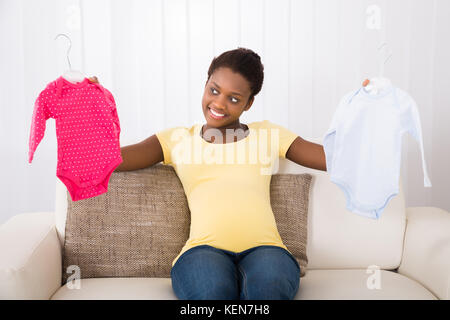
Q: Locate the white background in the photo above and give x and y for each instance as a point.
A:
(154, 57)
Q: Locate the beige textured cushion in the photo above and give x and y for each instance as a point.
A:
(140, 225)
(289, 195)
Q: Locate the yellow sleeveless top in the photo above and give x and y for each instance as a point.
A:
(227, 186)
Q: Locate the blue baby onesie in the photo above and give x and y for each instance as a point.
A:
(363, 147)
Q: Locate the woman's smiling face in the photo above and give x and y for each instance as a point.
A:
(227, 93)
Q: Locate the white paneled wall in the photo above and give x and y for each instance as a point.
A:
(154, 56)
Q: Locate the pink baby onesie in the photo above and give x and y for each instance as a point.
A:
(87, 132)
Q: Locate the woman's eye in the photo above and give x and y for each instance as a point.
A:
(215, 92)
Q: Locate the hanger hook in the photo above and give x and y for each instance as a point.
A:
(68, 50)
(384, 44)
(390, 55)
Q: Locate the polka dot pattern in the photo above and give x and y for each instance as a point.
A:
(87, 132)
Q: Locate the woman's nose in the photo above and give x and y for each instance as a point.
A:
(219, 102)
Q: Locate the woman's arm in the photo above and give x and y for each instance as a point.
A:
(307, 154)
(141, 155)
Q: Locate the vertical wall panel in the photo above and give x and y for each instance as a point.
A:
(176, 63)
(325, 60)
(373, 30)
(252, 37)
(226, 25)
(276, 53)
(420, 71)
(123, 64)
(441, 106)
(301, 67)
(148, 31)
(70, 23)
(398, 37)
(352, 22)
(97, 41)
(201, 40)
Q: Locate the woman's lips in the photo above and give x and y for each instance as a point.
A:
(214, 116)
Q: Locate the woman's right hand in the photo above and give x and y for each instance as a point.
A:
(93, 79)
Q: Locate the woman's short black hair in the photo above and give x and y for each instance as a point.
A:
(245, 62)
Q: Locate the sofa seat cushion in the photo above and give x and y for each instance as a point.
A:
(315, 285)
(359, 284)
(118, 289)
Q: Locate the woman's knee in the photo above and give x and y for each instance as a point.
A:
(205, 285)
(205, 273)
(270, 286)
(211, 289)
(269, 274)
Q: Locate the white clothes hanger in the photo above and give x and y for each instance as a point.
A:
(377, 84)
(70, 75)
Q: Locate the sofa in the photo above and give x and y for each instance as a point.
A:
(403, 255)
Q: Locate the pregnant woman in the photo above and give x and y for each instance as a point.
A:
(234, 250)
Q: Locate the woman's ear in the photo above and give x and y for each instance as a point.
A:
(249, 103)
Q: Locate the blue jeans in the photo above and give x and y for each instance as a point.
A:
(259, 273)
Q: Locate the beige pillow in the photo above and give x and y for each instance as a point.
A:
(289, 198)
(140, 225)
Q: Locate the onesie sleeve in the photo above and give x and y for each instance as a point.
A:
(110, 99)
(41, 114)
(328, 140)
(115, 116)
(285, 137)
(340, 112)
(410, 122)
(168, 139)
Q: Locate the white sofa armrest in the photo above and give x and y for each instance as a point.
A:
(30, 257)
(426, 250)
